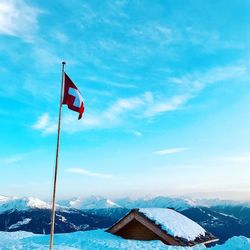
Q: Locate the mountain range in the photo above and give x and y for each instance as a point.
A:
(224, 219)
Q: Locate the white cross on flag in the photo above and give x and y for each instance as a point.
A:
(72, 96)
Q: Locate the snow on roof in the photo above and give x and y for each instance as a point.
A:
(174, 223)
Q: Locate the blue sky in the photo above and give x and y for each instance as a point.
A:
(166, 90)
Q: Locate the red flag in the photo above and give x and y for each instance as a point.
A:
(72, 96)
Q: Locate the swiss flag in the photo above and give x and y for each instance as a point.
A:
(72, 96)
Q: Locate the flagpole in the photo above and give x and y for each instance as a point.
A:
(56, 164)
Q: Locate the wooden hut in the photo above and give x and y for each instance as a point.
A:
(164, 224)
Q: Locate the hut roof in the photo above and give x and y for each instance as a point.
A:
(171, 227)
(174, 223)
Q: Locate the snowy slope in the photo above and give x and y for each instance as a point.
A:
(174, 223)
(20, 223)
(100, 240)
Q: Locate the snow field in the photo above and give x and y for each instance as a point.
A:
(100, 240)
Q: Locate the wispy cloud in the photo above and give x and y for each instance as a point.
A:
(46, 56)
(42, 122)
(170, 151)
(243, 158)
(83, 171)
(11, 159)
(45, 124)
(136, 133)
(197, 81)
(123, 105)
(153, 32)
(192, 85)
(19, 19)
(170, 104)
(111, 83)
(142, 106)
(110, 117)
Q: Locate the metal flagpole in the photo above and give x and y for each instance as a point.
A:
(56, 164)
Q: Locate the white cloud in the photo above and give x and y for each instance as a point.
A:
(153, 32)
(111, 83)
(42, 122)
(238, 159)
(136, 133)
(83, 171)
(46, 124)
(49, 125)
(171, 104)
(149, 98)
(18, 19)
(46, 57)
(11, 159)
(147, 104)
(60, 36)
(197, 81)
(169, 151)
(192, 85)
(123, 105)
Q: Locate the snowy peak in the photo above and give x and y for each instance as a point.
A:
(99, 202)
(14, 203)
(220, 203)
(37, 203)
(159, 201)
(3, 199)
(92, 202)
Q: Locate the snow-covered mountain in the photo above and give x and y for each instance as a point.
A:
(92, 202)
(221, 203)
(98, 202)
(224, 219)
(159, 201)
(14, 203)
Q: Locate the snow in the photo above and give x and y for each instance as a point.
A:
(174, 223)
(20, 223)
(179, 204)
(37, 203)
(61, 218)
(88, 240)
(3, 199)
(98, 202)
(14, 203)
(92, 202)
(100, 240)
(221, 203)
